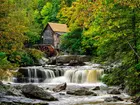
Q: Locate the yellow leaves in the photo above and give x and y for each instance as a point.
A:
(18, 58)
(131, 3)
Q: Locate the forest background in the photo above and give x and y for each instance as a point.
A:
(107, 30)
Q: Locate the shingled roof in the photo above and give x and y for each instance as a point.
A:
(56, 27)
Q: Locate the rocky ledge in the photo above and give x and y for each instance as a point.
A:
(81, 92)
(24, 95)
(31, 94)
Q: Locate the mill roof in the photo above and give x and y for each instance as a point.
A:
(57, 27)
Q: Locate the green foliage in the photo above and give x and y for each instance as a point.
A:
(21, 58)
(4, 63)
(36, 54)
(132, 81)
(111, 32)
(71, 42)
(107, 29)
(116, 77)
(48, 12)
(25, 57)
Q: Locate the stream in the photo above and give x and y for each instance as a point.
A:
(76, 77)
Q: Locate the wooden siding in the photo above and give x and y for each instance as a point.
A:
(51, 36)
(48, 36)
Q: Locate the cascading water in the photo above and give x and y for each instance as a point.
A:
(36, 74)
(81, 76)
(59, 75)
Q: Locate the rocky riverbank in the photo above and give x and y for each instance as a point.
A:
(62, 94)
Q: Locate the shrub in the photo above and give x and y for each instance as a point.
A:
(4, 63)
(5, 66)
(116, 77)
(133, 81)
(28, 57)
(36, 54)
(129, 77)
(21, 58)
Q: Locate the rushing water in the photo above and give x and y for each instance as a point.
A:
(54, 74)
(75, 76)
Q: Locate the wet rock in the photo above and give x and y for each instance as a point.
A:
(34, 91)
(76, 63)
(114, 99)
(96, 88)
(1, 83)
(9, 90)
(60, 87)
(2, 95)
(43, 61)
(52, 61)
(81, 92)
(13, 92)
(136, 100)
(62, 94)
(20, 101)
(113, 91)
(67, 58)
(4, 88)
(18, 87)
(24, 74)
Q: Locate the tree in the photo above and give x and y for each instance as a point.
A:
(71, 42)
(12, 29)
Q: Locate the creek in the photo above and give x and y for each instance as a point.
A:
(76, 77)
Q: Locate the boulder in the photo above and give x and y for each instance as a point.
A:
(96, 88)
(114, 99)
(136, 100)
(81, 92)
(21, 101)
(83, 58)
(13, 92)
(34, 91)
(52, 61)
(76, 63)
(73, 58)
(60, 87)
(65, 58)
(9, 90)
(43, 61)
(113, 91)
(1, 83)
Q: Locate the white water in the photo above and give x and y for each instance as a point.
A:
(69, 74)
(75, 77)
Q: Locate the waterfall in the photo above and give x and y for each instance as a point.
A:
(92, 76)
(57, 75)
(83, 76)
(29, 75)
(37, 74)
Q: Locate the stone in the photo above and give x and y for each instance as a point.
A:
(65, 58)
(60, 87)
(76, 63)
(62, 94)
(81, 92)
(76, 58)
(1, 83)
(96, 88)
(136, 100)
(113, 99)
(34, 91)
(52, 61)
(21, 101)
(13, 92)
(43, 61)
(113, 91)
